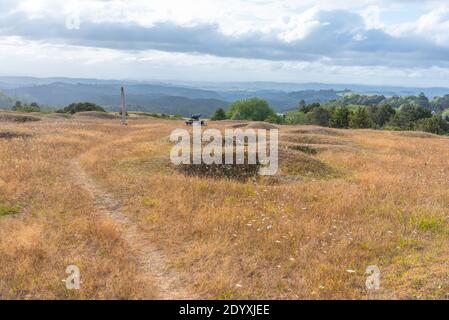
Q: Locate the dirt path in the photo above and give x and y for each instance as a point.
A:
(151, 260)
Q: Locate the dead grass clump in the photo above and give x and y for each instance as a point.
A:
(15, 117)
(13, 134)
(97, 115)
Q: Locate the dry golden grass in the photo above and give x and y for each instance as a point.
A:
(54, 224)
(383, 200)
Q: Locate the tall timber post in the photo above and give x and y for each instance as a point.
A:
(123, 108)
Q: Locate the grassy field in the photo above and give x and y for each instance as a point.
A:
(343, 200)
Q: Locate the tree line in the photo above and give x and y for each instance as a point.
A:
(352, 111)
(25, 107)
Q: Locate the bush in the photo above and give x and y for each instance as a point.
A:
(360, 119)
(408, 115)
(436, 124)
(297, 117)
(340, 117)
(275, 119)
(380, 115)
(219, 114)
(320, 116)
(33, 107)
(253, 109)
(81, 107)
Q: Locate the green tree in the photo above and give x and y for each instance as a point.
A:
(360, 119)
(436, 124)
(340, 117)
(297, 117)
(33, 107)
(17, 106)
(219, 114)
(445, 114)
(380, 115)
(81, 107)
(302, 106)
(362, 99)
(276, 119)
(408, 115)
(440, 103)
(320, 116)
(254, 109)
(423, 101)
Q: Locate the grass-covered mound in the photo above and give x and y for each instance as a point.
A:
(96, 114)
(17, 117)
(13, 134)
(234, 171)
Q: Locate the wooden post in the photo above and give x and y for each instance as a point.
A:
(123, 107)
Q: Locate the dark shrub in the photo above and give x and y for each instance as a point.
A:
(81, 107)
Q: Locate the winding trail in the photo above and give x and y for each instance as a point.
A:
(151, 260)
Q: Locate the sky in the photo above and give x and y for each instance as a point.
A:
(395, 42)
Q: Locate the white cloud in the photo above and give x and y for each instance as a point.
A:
(371, 16)
(435, 25)
(283, 40)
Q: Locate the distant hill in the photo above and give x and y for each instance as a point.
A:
(175, 105)
(281, 100)
(139, 97)
(5, 101)
(184, 98)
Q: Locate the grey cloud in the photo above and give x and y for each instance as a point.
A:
(341, 37)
